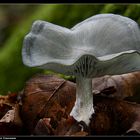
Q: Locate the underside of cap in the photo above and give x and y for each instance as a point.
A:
(89, 66)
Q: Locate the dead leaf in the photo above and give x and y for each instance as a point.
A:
(52, 97)
(125, 85)
(65, 127)
(10, 123)
(43, 127)
(9, 99)
(46, 97)
(3, 109)
(114, 116)
(8, 117)
(6, 103)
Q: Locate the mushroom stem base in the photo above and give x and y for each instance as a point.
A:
(83, 108)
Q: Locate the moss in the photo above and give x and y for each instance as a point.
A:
(133, 11)
(114, 8)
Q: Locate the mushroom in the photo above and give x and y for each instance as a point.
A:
(104, 44)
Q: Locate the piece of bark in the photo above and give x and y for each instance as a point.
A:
(46, 96)
(125, 85)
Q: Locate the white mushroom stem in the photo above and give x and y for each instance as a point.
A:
(83, 108)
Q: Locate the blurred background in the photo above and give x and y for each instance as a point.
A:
(16, 21)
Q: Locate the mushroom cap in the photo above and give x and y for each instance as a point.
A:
(102, 44)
